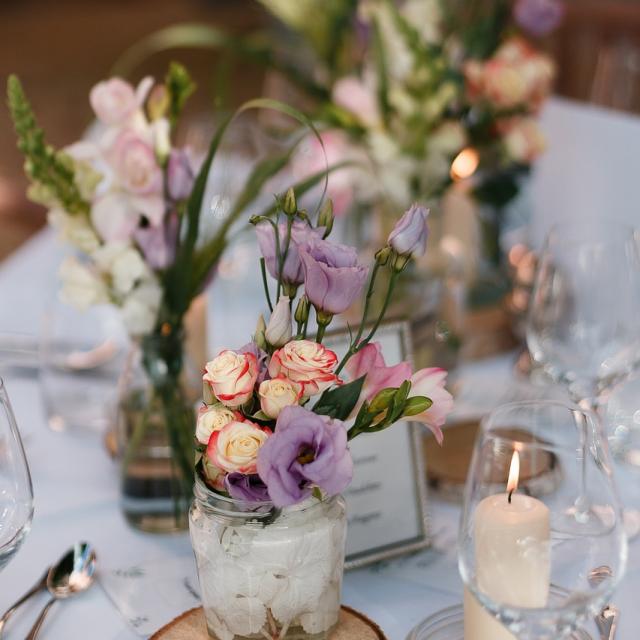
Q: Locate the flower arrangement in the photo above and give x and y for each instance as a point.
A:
(130, 202)
(425, 80)
(273, 426)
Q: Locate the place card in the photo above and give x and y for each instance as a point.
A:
(386, 502)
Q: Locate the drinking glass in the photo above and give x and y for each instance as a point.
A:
(525, 555)
(16, 492)
(82, 354)
(583, 322)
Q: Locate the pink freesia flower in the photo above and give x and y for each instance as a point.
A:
(369, 361)
(115, 101)
(232, 377)
(430, 383)
(352, 94)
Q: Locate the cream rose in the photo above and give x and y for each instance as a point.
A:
(235, 447)
(278, 393)
(232, 377)
(306, 362)
(212, 419)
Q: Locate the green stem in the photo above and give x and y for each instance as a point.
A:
(367, 303)
(383, 312)
(265, 284)
(321, 331)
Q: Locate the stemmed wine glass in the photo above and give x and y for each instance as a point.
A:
(525, 557)
(583, 320)
(16, 491)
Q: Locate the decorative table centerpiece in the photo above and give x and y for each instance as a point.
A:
(268, 524)
(131, 205)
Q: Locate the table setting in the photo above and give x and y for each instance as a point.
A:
(326, 367)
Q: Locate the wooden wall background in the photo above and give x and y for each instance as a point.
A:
(60, 48)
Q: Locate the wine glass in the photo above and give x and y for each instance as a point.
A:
(16, 492)
(525, 556)
(583, 321)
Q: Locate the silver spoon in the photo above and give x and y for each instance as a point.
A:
(73, 574)
(39, 586)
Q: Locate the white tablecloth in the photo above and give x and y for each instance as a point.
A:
(76, 489)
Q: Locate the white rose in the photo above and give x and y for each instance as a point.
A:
(140, 308)
(524, 141)
(81, 287)
(449, 138)
(212, 418)
(235, 447)
(278, 393)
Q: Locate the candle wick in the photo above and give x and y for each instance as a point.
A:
(510, 494)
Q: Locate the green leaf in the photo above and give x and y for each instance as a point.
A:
(380, 59)
(339, 402)
(257, 47)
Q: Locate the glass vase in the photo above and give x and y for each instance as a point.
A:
(156, 418)
(267, 572)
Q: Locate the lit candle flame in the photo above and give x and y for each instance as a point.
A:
(514, 474)
(465, 164)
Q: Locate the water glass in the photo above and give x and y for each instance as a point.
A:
(16, 492)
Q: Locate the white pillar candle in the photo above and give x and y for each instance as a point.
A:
(512, 543)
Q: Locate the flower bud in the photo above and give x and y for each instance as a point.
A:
(278, 331)
(416, 405)
(207, 394)
(382, 400)
(259, 336)
(409, 236)
(289, 204)
(326, 217)
(158, 102)
(382, 256)
(302, 310)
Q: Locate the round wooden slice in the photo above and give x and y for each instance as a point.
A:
(191, 626)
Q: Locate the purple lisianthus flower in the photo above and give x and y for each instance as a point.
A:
(409, 236)
(333, 277)
(538, 17)
(248, 488)
(261, 358)
(301, 235)
(180, 175)
(306, 450)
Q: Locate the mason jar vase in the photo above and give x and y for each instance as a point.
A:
(266, 572)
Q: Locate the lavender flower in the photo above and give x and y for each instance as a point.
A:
(538, 17)
(180, 175)
(306, 450)
(409, 236)
(261, 359)
(301, 234)
(248, 488)
(333, 277)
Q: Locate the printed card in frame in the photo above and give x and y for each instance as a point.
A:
(387, 500)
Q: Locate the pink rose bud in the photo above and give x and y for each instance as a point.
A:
(235, 447)
(212, 419)
(278, 331)
(409, 236)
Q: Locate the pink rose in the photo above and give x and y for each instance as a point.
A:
(523, 139)
(369, 361)
(352, 94)
(307, 363)
(115, 101)
(232, 377)
(278, 393)
(235, 447)
(430, 383)
(213, 418)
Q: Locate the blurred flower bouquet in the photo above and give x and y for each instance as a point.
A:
(425, 93)
(272, 435)
(131, 203)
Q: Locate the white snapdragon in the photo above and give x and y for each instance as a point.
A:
(74, 229)
(140, 307)
(81, 287)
